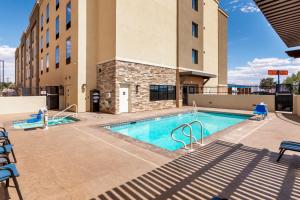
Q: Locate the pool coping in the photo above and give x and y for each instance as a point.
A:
(179, 152)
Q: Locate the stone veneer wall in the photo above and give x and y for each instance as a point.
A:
(111, 75)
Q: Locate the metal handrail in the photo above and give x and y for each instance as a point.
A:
(68, 108)
(183, 126)
(195, 106)
(202, 129)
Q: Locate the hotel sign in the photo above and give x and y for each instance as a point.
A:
(278, 72)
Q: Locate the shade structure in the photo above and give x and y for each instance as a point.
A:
(284, 16)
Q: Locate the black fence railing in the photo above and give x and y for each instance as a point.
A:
(246, 90)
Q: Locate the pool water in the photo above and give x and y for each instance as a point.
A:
(158, 131)
(51, 122)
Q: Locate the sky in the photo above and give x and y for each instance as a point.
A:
(253, 45)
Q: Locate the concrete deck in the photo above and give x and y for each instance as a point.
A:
(85, 161)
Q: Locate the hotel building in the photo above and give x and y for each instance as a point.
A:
(138, 54)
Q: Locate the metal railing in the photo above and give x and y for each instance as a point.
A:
(183, 126)
(61, 116)
(190, 135)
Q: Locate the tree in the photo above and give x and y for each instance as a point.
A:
(294, 79)
(267, 83)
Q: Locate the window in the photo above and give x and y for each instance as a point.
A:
(47, 38)
(42, 22)
(68, 16)
(42, 44)
(195, 5)
(57, 4)
(57, 27)
(195, 56)
(57, 57)
(42, 65)
(162, 92)
(68, 51)
(47, 62)
(47, 13)
(195, 30)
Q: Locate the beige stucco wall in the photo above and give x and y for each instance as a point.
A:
(223, 24)
(187, 42)
(146, 32)
(100, 39)
(238, 102)
(210, 42)
(296, 105)
(65, 75)
(14, 105)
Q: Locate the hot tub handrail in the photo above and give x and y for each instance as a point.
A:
(183, 126)
(68, 108)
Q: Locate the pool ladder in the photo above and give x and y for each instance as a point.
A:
(183, 127)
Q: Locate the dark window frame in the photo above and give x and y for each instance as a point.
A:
(196, 59)
(57, 5)
(195, 29)
(68, 59)
(162, 92)
(47, 13)
(57, 28)
(57, 62)
(195, 5)
(68, 24)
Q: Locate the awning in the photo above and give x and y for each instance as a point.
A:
(284, 16)
(198, 74)
(294, 53)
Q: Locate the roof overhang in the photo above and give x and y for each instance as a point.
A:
(198, 74)
(294, 53)
(284, 16)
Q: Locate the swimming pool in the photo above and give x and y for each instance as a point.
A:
(51, 122)
(157, 131)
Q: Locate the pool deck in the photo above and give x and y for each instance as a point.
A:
(85, 161)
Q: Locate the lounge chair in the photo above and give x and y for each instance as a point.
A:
(261, 110)
(6, 149)
(288, 145)
(10, 172)
(4, 135)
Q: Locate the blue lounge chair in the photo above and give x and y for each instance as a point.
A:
(10, 172)
(288, 145)
(4, 135)
(6, 149)
(36, 119)
(261, 110)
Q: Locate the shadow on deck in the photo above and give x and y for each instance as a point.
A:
(222, 169)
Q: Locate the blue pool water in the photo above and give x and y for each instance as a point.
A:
(157, 131)
(51, 122)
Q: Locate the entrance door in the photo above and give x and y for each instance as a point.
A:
(52, 97)
(123, 99)
(284, 98)
(186, 90)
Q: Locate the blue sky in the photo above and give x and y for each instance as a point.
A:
(253, 46)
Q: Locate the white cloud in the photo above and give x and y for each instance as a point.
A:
(7, 54)
(257, 69)
(249, 8)
(234, 1)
